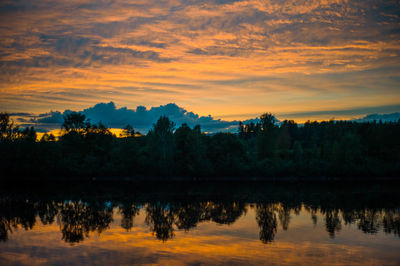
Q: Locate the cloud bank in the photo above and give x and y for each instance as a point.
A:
(141, 118)
(394, 117)
(229, 58)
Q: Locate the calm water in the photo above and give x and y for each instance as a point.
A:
(200, 224)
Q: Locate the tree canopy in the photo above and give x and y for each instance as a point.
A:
(268, 148)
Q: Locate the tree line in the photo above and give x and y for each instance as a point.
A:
(267, 148)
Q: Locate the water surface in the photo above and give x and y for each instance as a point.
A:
(200, 224)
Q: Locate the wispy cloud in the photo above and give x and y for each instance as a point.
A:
(216, 56)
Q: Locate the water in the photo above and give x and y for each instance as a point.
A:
(175, 224)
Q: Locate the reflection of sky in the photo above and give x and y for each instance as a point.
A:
(207, 243)
(232, 59)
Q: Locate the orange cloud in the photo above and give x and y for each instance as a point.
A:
(58, 55)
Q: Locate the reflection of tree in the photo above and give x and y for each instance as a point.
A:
(350, 216)
(225, 213)
(333, 222)
(128, 211)
(160, 219)
(189, 214)
(369, 221)
(314, 218)
(77, 219)
(313, 211)
(391, 222)
(266, 219)
(284, 216)
(5, 227)
(25, 214)
(47, 211)
(14, 214)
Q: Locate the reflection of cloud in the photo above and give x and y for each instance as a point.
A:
(87, 51)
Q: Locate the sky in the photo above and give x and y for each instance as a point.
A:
(229, 59)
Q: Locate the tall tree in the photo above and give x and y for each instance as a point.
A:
(161, 144)
(74, 122)
(266, 138)
(8, 131)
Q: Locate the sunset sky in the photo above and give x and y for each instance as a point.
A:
(231, 59)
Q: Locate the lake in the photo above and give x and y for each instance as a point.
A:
(200, 223)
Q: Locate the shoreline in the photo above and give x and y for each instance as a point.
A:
(212, 179)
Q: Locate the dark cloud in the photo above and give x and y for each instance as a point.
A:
(71, 56)
(22, 120)
(21, 114)
(144, 41)
(141, 118)
(50, 118)
(198, 51)
(394, 117)
(348, 112)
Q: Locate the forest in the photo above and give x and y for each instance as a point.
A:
(267, 149)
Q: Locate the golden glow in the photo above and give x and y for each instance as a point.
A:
(208, 243)
(58, 132)
(225, 59)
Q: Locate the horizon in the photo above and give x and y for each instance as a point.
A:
(142, 118)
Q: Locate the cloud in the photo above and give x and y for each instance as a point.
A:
(68, 54)
(394, 117)
(141, 118)
(353, 112)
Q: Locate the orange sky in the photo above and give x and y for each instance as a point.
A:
(230, 59)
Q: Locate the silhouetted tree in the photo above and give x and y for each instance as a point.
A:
(74, 122)
(47, 137)
(267, 136)
(161, 145)
(128, 131)
(226, 153)
(28, 134)
(190, 151)
(341, 149)
(8, 131)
